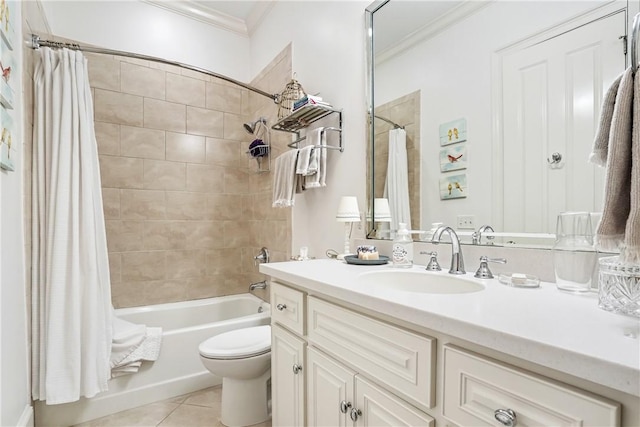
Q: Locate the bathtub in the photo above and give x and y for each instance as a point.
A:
(178, 369)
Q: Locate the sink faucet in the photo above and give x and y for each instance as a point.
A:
(457, 262)
(476, 237)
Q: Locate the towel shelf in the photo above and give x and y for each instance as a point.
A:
(296, 143)
(303, 117)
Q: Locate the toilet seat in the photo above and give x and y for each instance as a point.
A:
(238, 344)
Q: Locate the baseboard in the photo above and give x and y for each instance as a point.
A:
(26, 419)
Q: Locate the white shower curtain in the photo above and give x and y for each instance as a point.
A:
(71, 296)
(396, 187)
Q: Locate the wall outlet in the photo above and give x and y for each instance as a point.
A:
(466, 222)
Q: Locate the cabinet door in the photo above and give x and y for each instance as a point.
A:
(329, 391)
(287, 381)
(380, 408)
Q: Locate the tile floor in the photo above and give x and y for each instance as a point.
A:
(198, 409)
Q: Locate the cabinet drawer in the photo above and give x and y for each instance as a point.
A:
(401, 360)
(475, 387)
(287, 307)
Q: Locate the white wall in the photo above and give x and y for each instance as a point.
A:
(453, 72)
(328, 57)
(15, 396)
(142, 28)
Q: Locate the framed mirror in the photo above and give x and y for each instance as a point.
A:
(496, 104)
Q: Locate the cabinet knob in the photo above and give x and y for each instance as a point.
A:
(506, 416)
(281, 307)
(355, 413)
(344, 406)
(297, 368)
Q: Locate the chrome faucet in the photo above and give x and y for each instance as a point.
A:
(476, 237)
(258, 285)
(457, 262)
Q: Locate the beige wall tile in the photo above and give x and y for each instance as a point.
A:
(164, 115)
(234, 128)
(115, 267)
(205, 122)
(224, 98)
(128, 294)
(204, 234)
(111, 203)
(236, 234)
(185, 90)
(119, 108)
(165, 235)
(104, 72)
(205, 178)
(141, 142)
(143, 81)
(182, 205)
(225, 152)
(164, 291)
(224, 261)
(236, 181)
(124, 236)
(121, 172)
(195, 74)
(184, 264)
(108, 138)
(224, 206)
(203, 287)
(182, 147)
(142, 204)
(161, 175)
(141, 266)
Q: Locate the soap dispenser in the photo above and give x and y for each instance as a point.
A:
(402, 250)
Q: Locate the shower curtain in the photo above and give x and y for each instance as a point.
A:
(71, 296)
(396, 187)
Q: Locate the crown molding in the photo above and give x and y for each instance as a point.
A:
(258, 13)
(203, 14)
(432, 28)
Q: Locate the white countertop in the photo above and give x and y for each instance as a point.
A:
(554, 329)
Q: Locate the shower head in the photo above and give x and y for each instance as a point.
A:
(251, 127)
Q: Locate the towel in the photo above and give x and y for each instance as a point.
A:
(616, 145)
(131, 345)
(304, 162)
(284, 179)
(317, 139)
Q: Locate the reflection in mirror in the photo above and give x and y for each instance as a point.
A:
(525, 88)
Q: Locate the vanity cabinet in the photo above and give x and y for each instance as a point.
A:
(287, 378)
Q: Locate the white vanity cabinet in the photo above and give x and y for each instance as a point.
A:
(287, 378)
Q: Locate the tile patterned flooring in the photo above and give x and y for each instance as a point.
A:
(198, 409)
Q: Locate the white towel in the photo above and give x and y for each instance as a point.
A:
(131, 345)
(617, 143)
(317, 138)
(303, 166)
(284, 179)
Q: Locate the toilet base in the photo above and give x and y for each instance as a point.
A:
(244, 402)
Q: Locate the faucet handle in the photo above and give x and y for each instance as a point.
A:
(483, 271)
(433, 261)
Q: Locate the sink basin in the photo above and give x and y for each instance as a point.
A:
(419, 282)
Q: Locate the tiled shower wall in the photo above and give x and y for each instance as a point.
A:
(185, 208)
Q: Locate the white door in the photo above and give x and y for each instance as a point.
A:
(552, 92)
(287, 381)
(329, 391)
(379, 408)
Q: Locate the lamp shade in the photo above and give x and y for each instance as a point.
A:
(382, 210)
(348, 210)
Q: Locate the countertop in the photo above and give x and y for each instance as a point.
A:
(554, 329)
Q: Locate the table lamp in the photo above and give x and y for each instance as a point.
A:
(348, 213)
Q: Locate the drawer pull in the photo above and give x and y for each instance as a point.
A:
(506, 416)
(344, 406)
(297, 368)
(281, 307)
(355, 413)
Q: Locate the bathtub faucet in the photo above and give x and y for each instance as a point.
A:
(258, 285)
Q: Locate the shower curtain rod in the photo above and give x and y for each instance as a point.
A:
(395, 125)
(36, 43)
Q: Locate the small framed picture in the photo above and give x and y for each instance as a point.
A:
(453, 187)
(453, 158)
(7, 148)
(454, 131)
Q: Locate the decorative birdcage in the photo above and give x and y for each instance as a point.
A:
(291, 93)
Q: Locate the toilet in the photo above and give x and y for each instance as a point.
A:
(242, 358)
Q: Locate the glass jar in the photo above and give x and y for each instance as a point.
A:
(574, 256)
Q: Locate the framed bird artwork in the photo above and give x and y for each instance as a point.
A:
(453, 158)
(453, 187)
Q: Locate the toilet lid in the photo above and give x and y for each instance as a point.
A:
(239, 343)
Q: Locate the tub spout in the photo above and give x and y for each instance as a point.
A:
(258, 285)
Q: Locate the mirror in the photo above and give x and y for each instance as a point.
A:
(499, 102)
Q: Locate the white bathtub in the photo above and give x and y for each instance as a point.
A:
(178, 370)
